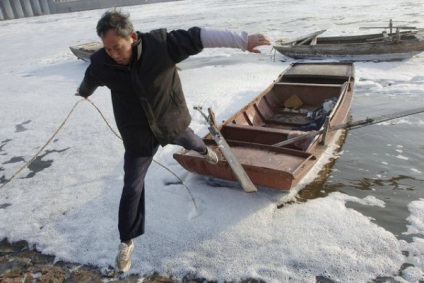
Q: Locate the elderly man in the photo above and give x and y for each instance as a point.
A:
(148, 101)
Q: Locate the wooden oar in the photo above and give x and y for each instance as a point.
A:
(354, 125)
(232, 160)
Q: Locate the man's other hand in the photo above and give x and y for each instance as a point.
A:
(256, 40)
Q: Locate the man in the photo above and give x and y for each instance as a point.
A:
(148, 101)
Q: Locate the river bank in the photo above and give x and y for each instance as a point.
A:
(21, 263)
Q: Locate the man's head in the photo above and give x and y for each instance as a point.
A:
(117, 34)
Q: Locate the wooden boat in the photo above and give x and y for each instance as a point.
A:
(370, 47)
(292, 101)
(84, 51)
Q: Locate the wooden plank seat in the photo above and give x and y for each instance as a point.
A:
(254, 134)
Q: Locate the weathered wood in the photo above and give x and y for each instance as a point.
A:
(306, 37)
(84, 51)
(223, 146)
(311, 37)
(212, 116)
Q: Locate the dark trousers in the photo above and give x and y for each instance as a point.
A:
(132, 204)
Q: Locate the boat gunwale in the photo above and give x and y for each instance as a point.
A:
(353, 38)
(379, 44)
(305, 157)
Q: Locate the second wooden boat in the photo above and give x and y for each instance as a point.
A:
(369, 47)
(84, 51)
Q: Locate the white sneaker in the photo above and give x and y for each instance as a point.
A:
(123, 259)
(211, 156)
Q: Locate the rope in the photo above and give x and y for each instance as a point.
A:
(47, 143)
(113, 131)
(104, 119)
(157, 162)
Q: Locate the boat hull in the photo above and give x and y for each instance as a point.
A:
(253, 131)
(356, 48)
(84, 51)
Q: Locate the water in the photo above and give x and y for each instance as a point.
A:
(385, 160)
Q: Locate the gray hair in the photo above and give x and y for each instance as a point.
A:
(115, 20)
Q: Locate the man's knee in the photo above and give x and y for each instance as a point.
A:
(189, 140)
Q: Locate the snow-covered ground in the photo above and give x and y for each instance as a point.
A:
(67, 203)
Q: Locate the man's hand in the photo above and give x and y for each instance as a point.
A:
(77, 92)
(256, 40)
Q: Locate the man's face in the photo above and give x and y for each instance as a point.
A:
(117, 47)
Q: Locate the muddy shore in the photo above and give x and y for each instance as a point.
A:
(21, 263)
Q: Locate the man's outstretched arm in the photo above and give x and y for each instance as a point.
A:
(212, 38)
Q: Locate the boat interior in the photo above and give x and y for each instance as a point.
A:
(293, 101)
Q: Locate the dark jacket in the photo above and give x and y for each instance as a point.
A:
(147, 97)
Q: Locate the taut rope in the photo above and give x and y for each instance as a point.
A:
(42, 148)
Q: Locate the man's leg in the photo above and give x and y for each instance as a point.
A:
(189, 140)
(131, 208)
